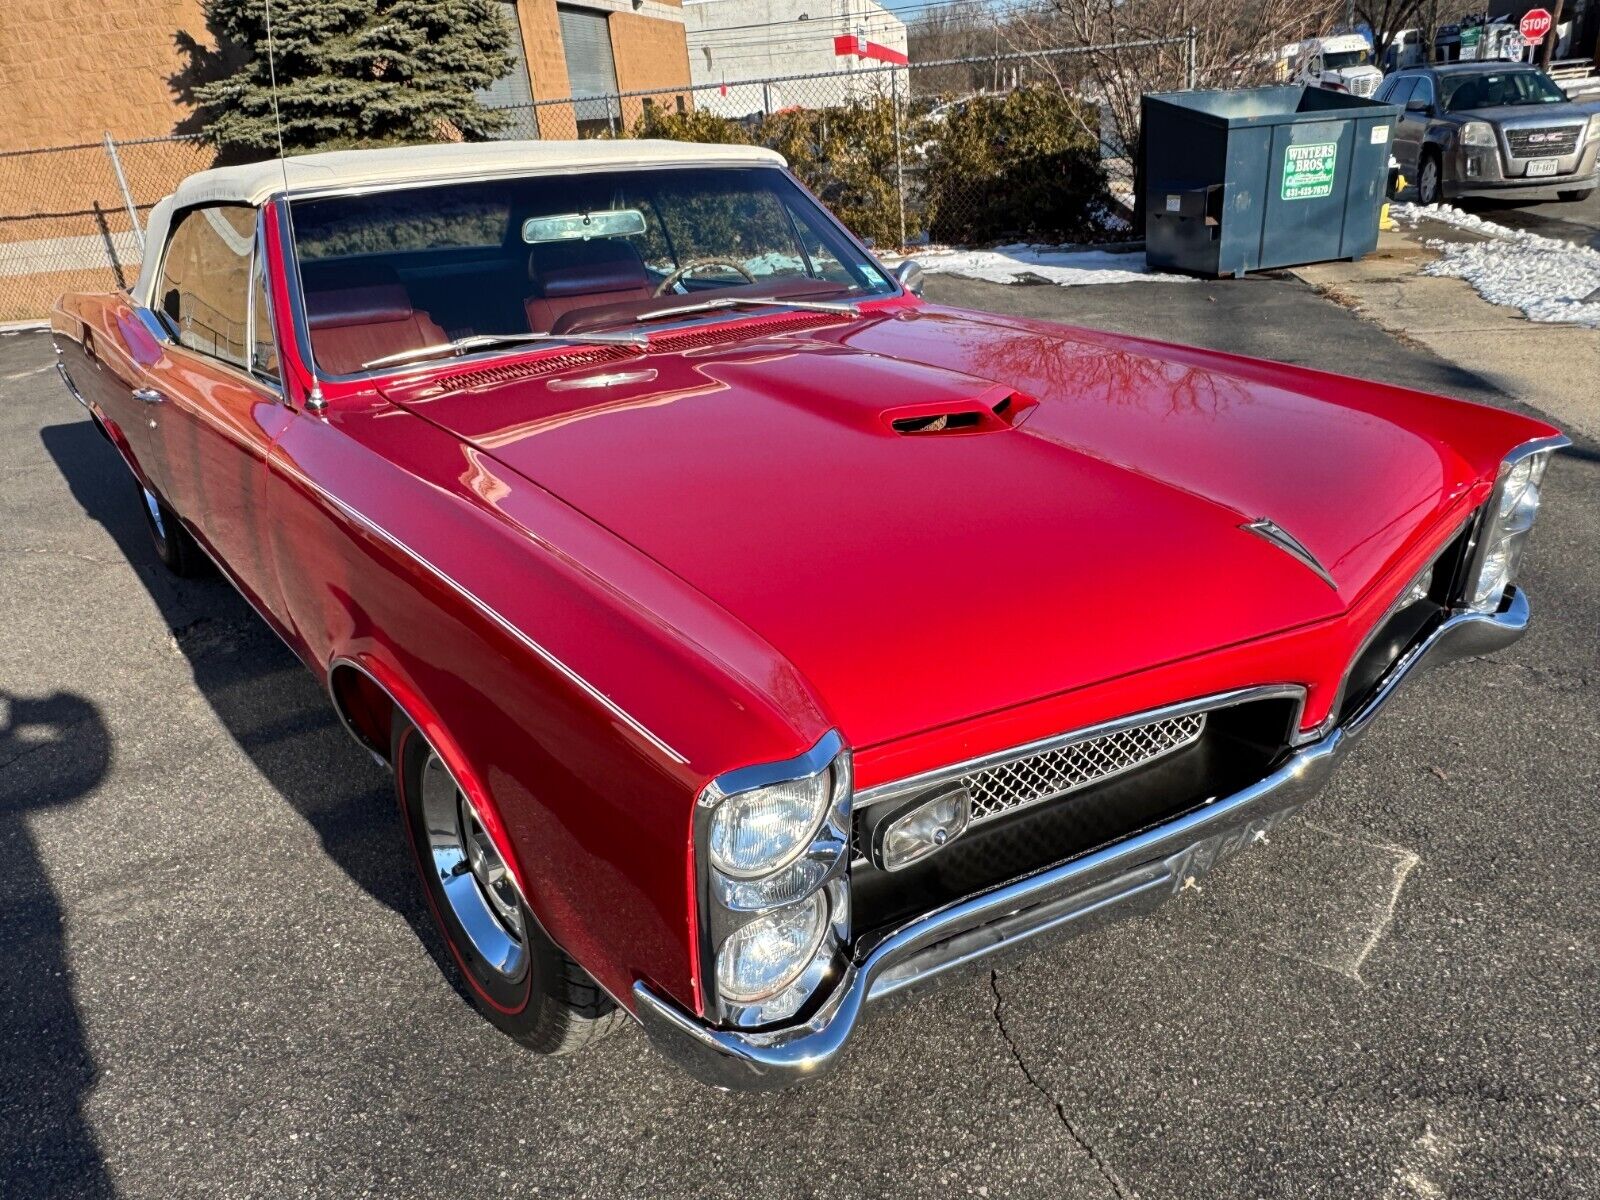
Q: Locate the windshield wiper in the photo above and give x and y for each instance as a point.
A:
(700, 306)
(482, 341)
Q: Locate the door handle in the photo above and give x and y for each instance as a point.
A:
(148, 395)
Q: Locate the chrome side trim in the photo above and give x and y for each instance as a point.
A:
(483, 607)
(1126, 877)
(928, 779)
(1284, 540)
(72, 388)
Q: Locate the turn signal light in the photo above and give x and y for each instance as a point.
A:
(928, 827)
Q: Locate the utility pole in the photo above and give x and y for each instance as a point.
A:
(1547, 51)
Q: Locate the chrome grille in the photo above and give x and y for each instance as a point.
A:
(1546, 142)
(1364, 86)
(1009, 786)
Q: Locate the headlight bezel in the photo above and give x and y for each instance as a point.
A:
(1505, 522)
(1476, 133)
(818, 866)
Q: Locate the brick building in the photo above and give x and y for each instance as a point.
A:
(72, 71)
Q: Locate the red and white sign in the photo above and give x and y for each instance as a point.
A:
(1535, 24)
(845, 45)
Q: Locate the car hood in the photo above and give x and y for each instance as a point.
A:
(1089, 528)
(1522, 114)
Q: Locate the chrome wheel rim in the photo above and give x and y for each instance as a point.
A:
(471, 874)
(153, 507)
(1430, 181)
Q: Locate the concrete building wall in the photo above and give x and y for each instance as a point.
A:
(734, 40)
(72, 69)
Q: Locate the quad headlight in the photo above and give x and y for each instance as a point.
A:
(1506, 524)
(757, 832)
(773, 849)
(764, 957)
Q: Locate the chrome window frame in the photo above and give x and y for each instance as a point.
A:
(155, 323)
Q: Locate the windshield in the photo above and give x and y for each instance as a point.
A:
(389, 272)
(1340, 59)
(1466, 92)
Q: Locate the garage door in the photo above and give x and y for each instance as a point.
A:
(592, 72)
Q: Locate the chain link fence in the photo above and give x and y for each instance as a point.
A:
(71, 217)
(951, 151)
(1007, 147)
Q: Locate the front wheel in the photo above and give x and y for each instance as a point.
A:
(518, 978)
(1576, 194)
(1430, 185)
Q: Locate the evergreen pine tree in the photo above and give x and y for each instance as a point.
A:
(351, 72)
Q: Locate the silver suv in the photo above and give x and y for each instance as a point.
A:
(1491, 129)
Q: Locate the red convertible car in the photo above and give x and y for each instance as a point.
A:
(750, 639)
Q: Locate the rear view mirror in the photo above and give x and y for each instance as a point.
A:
(580, 227)
(1418, 106)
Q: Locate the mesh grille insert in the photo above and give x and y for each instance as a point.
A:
(1044, 776)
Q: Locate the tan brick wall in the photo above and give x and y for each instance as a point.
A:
(72, 69)
(652, 55)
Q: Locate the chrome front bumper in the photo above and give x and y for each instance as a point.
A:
(1123, 879)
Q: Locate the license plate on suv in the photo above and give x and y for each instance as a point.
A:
(1543, 166)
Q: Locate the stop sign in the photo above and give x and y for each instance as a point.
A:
(1535, 24)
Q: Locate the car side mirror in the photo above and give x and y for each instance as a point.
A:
(909, 274)
(1419, 106)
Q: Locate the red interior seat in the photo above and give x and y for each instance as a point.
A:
(573, 275)
(356, 324)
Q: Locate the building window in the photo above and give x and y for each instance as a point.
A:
(591, 70)
(513, 91)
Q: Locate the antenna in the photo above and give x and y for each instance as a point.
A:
(272, 76)
(315, 402)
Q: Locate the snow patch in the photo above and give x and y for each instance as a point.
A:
(1067, 268)
(1551, 281)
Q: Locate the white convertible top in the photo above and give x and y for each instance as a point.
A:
(253, 183)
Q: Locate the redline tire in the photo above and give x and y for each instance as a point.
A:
(526, 986)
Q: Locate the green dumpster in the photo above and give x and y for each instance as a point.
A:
(1252, 178)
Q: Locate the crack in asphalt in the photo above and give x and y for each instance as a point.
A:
(1118, 1188)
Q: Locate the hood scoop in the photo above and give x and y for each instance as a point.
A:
(989, 412)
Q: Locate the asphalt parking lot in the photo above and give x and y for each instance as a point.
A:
(1576, 221)
(220, 979)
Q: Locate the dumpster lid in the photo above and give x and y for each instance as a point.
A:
(1280, 104)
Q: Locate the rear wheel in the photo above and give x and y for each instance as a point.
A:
(1430, 180)
(1576, 194)
(175, 545)
(519, 979)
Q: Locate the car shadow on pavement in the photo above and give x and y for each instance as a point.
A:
(54, 750)
(263, 695)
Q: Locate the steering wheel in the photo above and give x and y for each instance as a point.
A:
(694, 264)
